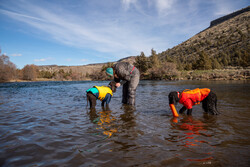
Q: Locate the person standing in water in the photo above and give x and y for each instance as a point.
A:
(130, 75)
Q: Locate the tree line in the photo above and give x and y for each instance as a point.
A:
(8, 72)
(155, 67)
(163, 66)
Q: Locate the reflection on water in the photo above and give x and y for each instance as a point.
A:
(195, 134)
(105, 121)
(48, 124)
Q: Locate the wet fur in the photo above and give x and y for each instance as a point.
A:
(209, 104)
(92, 99)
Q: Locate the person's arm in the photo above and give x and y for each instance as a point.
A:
(117, 80)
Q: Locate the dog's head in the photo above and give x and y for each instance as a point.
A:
(112, 86)
(173, 97)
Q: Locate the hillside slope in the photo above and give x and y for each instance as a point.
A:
(226, 41)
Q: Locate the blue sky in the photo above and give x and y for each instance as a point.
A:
(80, 32)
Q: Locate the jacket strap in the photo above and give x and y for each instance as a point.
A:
(132, 70)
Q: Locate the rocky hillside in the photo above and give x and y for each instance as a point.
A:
(226, 41)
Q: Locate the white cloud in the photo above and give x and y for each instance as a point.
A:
(163, 6)
(16, 55)
(13, 14)
(39, 60)
(42, 60)
(127, 3)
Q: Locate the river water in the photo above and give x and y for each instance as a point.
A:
(48, 124)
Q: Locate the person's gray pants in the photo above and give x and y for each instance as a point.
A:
(129, 88)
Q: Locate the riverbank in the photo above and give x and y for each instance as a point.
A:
(218, 74)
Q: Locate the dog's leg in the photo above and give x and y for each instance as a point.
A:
(107, 107)
(215, 105)
(209, 104)
(189, 111)
(205, 105)
(182, 109)
(87, 100)
(92, 100)
(217, 112)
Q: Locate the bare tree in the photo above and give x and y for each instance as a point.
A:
(30, 72)
(7, 69)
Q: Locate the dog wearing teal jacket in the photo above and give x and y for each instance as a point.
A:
(103, 93)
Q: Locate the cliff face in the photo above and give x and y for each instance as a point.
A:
(229, 16)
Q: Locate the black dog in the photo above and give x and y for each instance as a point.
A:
(103, 93)
(193, 97)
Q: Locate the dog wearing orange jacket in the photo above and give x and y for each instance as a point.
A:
(189, 98)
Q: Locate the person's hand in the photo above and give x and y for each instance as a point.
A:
(117, 85)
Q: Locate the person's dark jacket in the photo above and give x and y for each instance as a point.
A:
(123, 71)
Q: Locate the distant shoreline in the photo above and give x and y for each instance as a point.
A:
(213, 75)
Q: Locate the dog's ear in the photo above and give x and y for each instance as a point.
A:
(173, 98)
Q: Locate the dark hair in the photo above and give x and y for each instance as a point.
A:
(173, 98)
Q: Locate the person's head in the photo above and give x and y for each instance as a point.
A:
(110, 72)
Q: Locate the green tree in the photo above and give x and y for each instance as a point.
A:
(224, 59)
(245, 59)
(188, 67)
(141, 62)
(203, 62)
(168, 59)
(215, 64)
(154, 59)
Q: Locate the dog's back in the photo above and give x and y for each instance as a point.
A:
(103, 93)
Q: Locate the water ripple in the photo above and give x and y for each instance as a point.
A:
(48, 124)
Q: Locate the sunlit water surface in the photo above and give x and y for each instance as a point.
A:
(47, 124)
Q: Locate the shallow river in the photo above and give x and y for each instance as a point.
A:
(48, 124)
